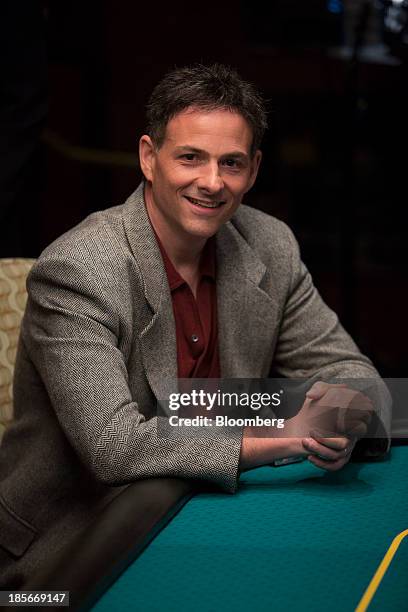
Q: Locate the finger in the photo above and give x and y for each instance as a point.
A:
(361, 402)
(340, 396)
(318, 389)
(337, 443)
(325, 452)
(355, 414)
(351, 420)
(359, 430)
(329, 466)
(350, 428)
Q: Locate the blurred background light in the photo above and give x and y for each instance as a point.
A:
(335, 6)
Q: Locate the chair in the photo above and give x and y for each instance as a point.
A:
(13, 297)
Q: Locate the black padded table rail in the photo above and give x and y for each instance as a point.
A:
(99, 554)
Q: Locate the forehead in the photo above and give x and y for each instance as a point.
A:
(215, 129)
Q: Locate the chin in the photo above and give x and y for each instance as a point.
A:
(205, 229)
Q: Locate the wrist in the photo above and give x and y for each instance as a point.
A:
(263, 451)
(295, 447)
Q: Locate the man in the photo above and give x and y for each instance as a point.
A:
(181, 280)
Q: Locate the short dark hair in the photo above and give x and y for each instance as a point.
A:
(208, 88)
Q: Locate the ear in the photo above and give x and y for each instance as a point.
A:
(147, 156)
(255, 163)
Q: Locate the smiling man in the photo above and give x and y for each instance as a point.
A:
(183, 280)
(197, 178)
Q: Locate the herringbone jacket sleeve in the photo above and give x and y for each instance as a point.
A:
(73, 331)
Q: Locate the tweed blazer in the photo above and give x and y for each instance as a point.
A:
(98, 346)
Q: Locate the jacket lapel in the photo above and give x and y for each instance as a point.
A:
(158, 336)
(246, 314)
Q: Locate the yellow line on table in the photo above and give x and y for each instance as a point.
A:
(379, 574)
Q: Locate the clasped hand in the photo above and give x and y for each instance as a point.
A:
(339, 417)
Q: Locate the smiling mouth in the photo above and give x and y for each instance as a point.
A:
(205, 203)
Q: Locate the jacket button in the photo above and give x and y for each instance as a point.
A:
(194, 338)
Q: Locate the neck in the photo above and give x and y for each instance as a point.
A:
(183, 251)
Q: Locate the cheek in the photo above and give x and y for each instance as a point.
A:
(181, 176)
(175, 179)
(237, 183)
(238, 187)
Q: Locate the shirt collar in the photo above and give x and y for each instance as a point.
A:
(206, 268)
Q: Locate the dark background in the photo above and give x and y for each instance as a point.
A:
(76, 78)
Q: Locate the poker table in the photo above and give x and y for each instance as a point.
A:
(292, 538)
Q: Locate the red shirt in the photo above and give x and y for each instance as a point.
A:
(196, 319)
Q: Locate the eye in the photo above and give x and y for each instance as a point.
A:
(189, 157)
(231, 162)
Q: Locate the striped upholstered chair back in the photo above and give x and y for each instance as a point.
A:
(13, 297)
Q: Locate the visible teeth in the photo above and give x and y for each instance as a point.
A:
(204, 204)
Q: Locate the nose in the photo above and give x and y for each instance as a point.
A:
(210, 180)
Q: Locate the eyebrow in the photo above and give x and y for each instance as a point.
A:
(190, 149)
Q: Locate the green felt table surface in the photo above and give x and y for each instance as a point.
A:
(292, 538)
